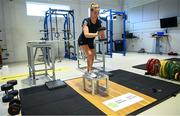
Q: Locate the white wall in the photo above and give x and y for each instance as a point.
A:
(2, 33)
(21, 28)
(1, 20)
(143, 20)
(134, 3)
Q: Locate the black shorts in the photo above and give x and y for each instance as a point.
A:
(82, 42)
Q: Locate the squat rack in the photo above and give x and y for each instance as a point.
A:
(48, 29)
(109, 29)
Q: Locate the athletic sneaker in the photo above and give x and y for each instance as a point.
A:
(92, 74)
(86, 73)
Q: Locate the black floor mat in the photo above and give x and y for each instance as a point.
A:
(63, 101)
(143, 66)
(174, 59)
(155, 88)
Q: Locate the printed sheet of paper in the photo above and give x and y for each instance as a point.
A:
(122, 101)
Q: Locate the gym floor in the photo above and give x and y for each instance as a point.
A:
(68, 70)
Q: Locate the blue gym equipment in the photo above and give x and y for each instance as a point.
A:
(109, 30)
(51, 32)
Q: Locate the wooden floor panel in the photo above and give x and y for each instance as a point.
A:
(115, 90)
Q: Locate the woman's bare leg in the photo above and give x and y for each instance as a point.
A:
(90, 56)
(93, 56)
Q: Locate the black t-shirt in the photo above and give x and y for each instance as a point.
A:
(92, 29)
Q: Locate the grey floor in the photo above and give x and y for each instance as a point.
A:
(170, 107)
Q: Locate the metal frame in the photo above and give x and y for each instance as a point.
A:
(157, 45)
(43, 45)
(95, 86)
(103, 70)
(109, 30)
(48, 31)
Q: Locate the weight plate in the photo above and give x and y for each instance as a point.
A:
(166, 69)
(13, 82)
(7, 98)
(178, 77)
(14, 101)
(150, 68)
(160, 73)
(14, 109)
(156, 67)
(6, 87)
(171, 70)
(163, 63)
(13, 92)
(147, 64)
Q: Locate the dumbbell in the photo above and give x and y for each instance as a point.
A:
(9, 95)
(13, 92)
(6, 88)
(14, 107)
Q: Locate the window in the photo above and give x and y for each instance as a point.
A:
(39, 9)
(105, 14)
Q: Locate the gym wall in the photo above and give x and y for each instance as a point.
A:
(143, 21)
(20, 28)
(2, 28)
(1, 20)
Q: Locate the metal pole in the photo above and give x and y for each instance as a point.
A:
(29, 62)
(68, 36)
(78, 59)
(75, 58)
(56, 23)
(32, 65)
(107, 34)
(50, 18)
(46, 35)
(65, 16)
(103, 55)
(99, 47)
(111, 33)
(45, 26)
(124, 38)
(43, 49)
(53, 61)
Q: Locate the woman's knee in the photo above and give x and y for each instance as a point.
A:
(90, 54)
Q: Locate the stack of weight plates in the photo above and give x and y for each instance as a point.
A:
(169, 69)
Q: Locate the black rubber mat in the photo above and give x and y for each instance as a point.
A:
(143, 66)
(174, 59)
(63, 101)
(155, 88)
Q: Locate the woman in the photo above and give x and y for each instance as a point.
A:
(90, 28)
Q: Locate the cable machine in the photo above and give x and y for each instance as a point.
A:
(52, 31)
(109, 32)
